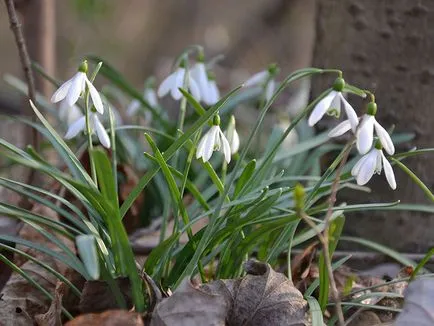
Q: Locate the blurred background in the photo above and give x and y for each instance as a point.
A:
(384, 45)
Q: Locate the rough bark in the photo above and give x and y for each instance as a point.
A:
(387, 46)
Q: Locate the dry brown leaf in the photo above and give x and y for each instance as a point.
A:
(20, 301)
(108, 318)
(53, 316)
(191, 306)
(98, 297)
(262, 297)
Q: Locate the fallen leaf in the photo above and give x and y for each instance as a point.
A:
(20, 301)
(191, 306)
(419, 304)
(262, 297)
(97, 296)
(108, 318)
(53, 316)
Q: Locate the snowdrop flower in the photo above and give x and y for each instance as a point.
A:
(174, 81)
(149, 95)
(232, 136)
(213, 140)
(68, 113)
(365, 133)
(209, 92)
(95, 125)
(331, 104)
(71, 89)
(371, 163)
(265, 79)
(213, 94)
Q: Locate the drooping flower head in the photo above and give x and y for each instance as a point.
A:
(365, 133)
(213, 140)
(373, 162)
(331, 104)
(265, 79)
(95, 126)
(71, 90)
(232, 136)
(175, 80)
(209, 93)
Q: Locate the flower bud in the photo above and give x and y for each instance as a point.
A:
(339, 84)
(299, 196)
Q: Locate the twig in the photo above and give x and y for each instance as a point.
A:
(325, 236)
(26, 65)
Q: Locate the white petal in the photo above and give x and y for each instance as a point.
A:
(356, 168)
(61, 92)
(335, 106)
(201, 146)
(340, 129)
(210, 143)
(367, 169)
(100, 131)
(385, 139)
(321, 108)
(235, 144)
(269, 90)
(133, 107)
(151, 97)
(198, 73)
(77, 86)
(167, 85)
(225, 146)
(194, 88)
(75, 128)
(365, 134)
(378, 166)
(63, 111)
(179, 82)
(351, 113)
(96, 98)
(388, 171)
(213, 93)
(257, 78)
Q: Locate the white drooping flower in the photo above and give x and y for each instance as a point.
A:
(175, 80)
(213, 94)
(264, 79)
(209, 93)
(232, 136)
(331, 104)
(69, 114)
(371, 163)
(149, 95)
(71, 89)
(365, 133)
(213, 140)
(95, 126)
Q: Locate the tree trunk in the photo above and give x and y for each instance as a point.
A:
(387, 46)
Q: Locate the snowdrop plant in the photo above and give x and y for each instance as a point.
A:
(71, 90)
(232, 136)
(265, 79)
(331, 104)
(214, 140)
(254, 209)
(95, 127)
(180, 78)
(373, 162)
(365, 133)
